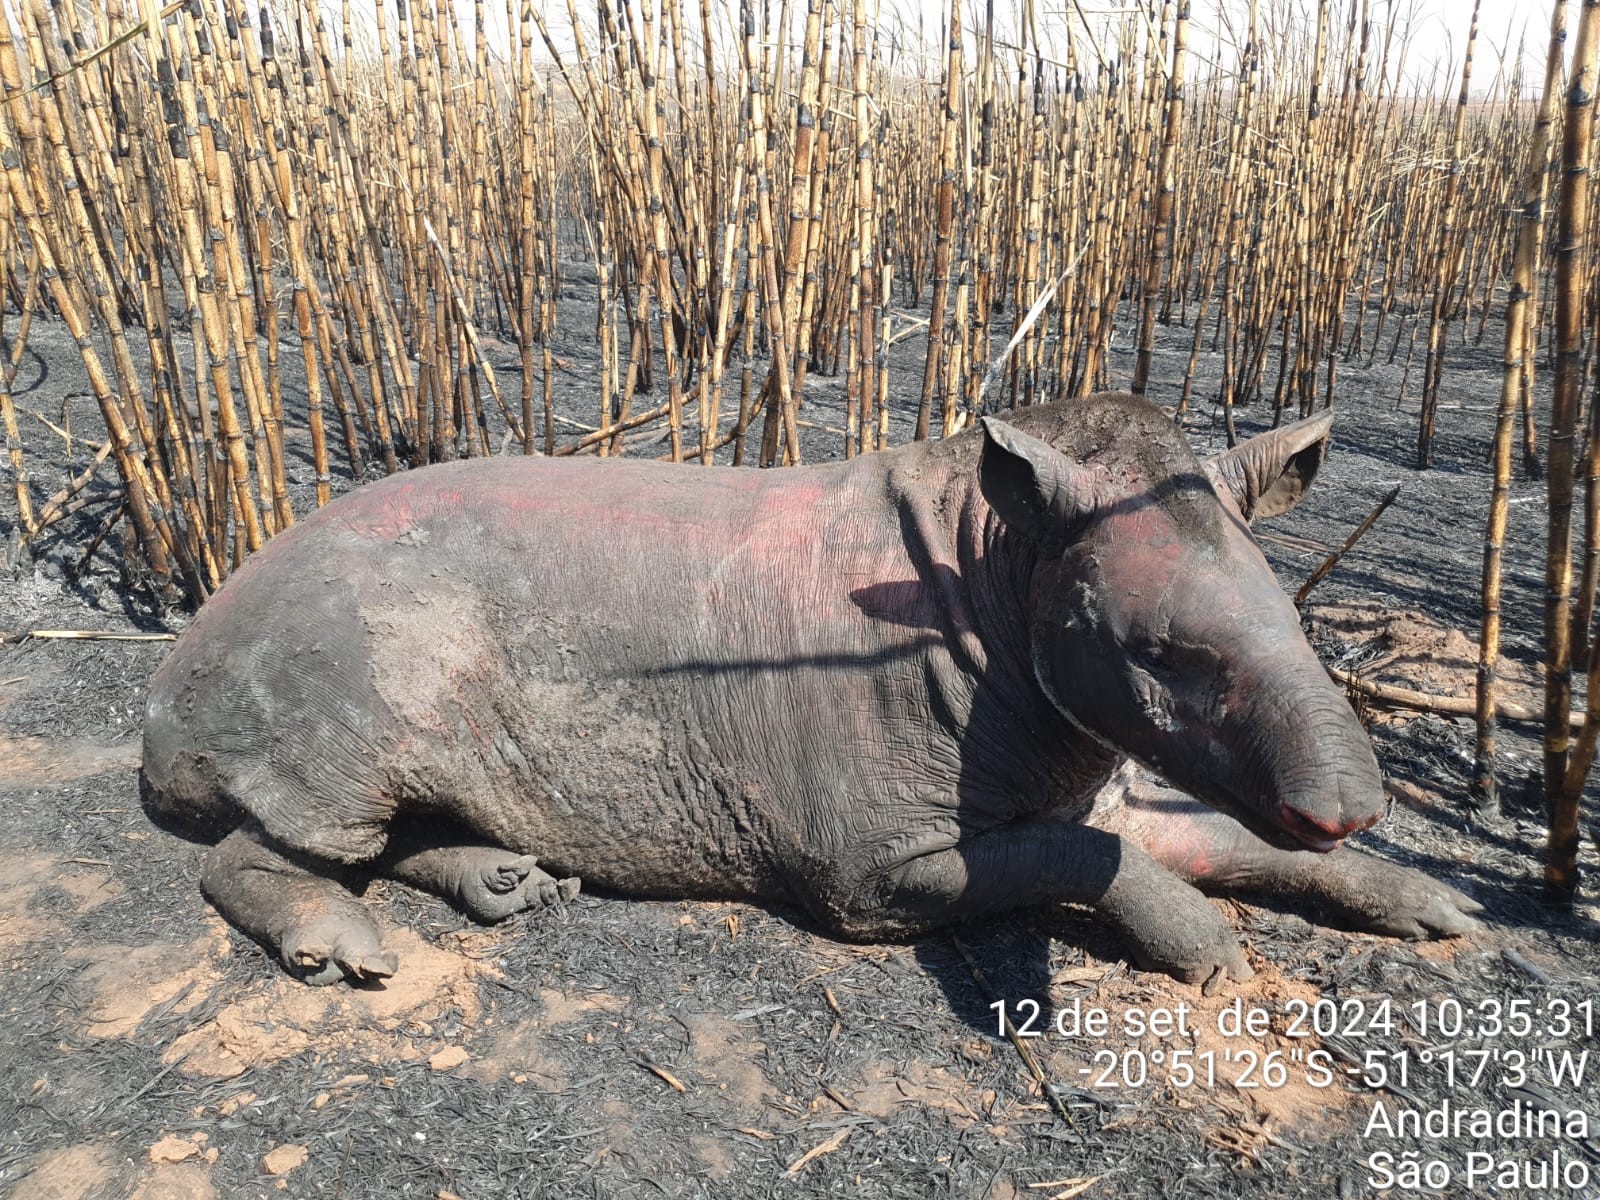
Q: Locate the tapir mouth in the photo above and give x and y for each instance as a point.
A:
(1308, 832)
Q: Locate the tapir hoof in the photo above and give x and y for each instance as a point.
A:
(1424, 907)
(1210, 966)
(504, 883)
(1188, 939)
(1381, 897)
(336, 948)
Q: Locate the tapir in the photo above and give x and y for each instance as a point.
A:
(1040, 661)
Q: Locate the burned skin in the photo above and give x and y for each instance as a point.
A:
(899, 692)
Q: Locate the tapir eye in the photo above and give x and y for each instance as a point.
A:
(1153, 699)
(1149, 655)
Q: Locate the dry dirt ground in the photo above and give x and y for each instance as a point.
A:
(627, 1048)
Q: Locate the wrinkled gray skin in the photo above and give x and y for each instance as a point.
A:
(899, 692)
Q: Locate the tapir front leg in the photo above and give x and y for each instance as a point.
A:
(1215, 852)
(1170, 926)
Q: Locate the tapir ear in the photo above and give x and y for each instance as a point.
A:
(1033, 487)
(1268, 474)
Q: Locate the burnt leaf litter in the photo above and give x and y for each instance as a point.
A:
(620, 1048)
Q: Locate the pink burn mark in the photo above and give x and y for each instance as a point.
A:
(773, 527)
(1149, 552)
(387, 513)
(481, 734)
(389, 518)
(652, 499)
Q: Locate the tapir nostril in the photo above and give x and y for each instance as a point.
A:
(1368, 821)
(1315, 833)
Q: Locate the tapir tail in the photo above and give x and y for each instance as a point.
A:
(198, 818)
(177, 793)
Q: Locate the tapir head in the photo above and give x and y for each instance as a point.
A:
(1158, 628)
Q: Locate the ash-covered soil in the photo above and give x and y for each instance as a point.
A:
(634, 1048)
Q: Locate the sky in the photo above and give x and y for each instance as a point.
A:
(1438, 33)
(1438, 27)
(1441, 25)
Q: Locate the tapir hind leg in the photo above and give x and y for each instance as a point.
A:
(486, 882)
(293, 905)
(1216, 853)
